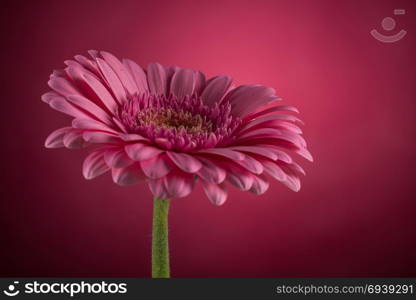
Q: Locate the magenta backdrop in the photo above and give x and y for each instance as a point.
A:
(355, 214)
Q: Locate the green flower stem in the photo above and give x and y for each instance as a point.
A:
(160, 242)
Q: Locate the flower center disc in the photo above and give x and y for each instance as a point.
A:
(169, 119)
(182, 124)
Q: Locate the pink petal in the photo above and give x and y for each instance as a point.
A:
(163, 143)
(158, 189)
(185, 162)
(247, 98)
(132, 137)
(260, 132)
(122, 72)
(272, 141)
(90, 107)
(250, 164)
(282, 138)
(94, 165)
(117, 158)
(260, 185)
(274, 170)
(94, 53)
(199, 82)
(47, 97)
(140, 152)
(55, 139)
(281, 155)
(156, 78)
(271, 110)
(90, 124)
(263, 151)
(292, 182)
(294, 138)
(119, 124)
(60, 104)
(225, 152)
(179, 184)
(272, 133)
(217, 194)
(211, 141)
(112, 81)
(292, 177)
(169, 73)
(268, 118)
(276, 124)
(182, 83)
(73, 63)
(287, 126)
(294, 167)
(211, 172)
(305, 154)
(216, 89)
(240, 178)
(62, 86)
(57, 74)
(156, 167)
(128, 175)
(100, 137)
(101, 92)
(138, 74)
(74, 140)
(76, 72)
(87, 63)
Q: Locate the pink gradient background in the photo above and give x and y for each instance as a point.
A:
(355, 214)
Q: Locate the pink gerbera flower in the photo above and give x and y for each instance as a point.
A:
(173, 126)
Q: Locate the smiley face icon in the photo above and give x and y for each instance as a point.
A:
(389, 24)
(11, 289)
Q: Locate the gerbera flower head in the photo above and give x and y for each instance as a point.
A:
(173, 126)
